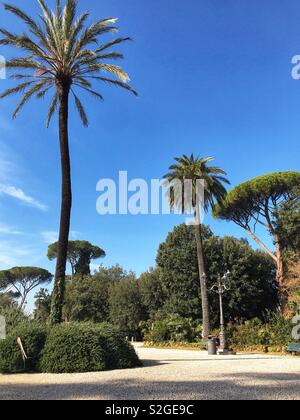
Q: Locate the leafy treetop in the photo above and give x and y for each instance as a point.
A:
(80, 254)
(24, 279)
(61, 52)
(256, 197)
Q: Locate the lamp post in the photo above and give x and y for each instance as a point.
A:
(221, 287)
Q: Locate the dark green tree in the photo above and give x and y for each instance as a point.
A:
(24, 280)
(80, 254)
(126, 310)
(87, 299)
(8, 300)
(177, 262)
(213, 178)
(287, 222)
(256, 203)
(60, 52)
(252, 277)
(152, 292)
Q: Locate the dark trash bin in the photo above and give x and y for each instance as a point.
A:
(212, 346)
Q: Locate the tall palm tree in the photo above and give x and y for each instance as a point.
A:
(194, 170)
(62, 54)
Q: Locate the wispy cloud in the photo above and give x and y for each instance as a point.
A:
(13, 254)
(50, 236)
(21, 196)
(8, 230)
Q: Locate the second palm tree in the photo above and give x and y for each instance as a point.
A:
(213, 179)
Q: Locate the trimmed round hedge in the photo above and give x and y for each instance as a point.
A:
(120, 353)
(33, 338)
(67, 348)
(85, 347)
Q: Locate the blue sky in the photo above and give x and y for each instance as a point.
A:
(214, 78)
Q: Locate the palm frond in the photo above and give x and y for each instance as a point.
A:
(22, 15)
(33, 26)
(111, 44)
(59, 50)
(91, 91)
(52, 109)
(90, 34)
(16, 89)
(81, 111)
(42, 94)
(28, 95)
(109, 68)
(116, 83)
(25, 63)
(68, 17)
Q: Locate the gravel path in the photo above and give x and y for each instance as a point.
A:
(169, 374)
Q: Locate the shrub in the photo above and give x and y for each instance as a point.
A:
(172, 329)
(274, 335)
(178, 345)
(120, 353)
(33, 338)
(86, 348)
(14, 316)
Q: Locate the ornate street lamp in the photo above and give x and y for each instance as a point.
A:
(221, 287)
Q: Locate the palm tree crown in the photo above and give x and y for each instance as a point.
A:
(194, 168)
(62, 51)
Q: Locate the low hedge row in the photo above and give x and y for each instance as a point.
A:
(67, 348)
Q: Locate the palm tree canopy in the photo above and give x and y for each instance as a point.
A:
(195, 168)
(60, 49)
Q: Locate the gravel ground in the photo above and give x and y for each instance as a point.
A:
(168, 374)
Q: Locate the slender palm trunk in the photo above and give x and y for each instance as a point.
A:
(66, 205)
(202, 275)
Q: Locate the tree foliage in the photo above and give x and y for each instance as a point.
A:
(126, 310)
(196, 169)
(8, 300)
(249, 200)
(177, 261)
(152, 291)
(88, 297)
(61, 48)
(198, 173)
(42, 306)
(287, 224)
(80, 255)
(252, 276)
(25, 279)
(61, 54)
(256, 203)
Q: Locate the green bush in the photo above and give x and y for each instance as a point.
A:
(14, 317)
(273, 335)
(86, 348)
(172, 329)
(120, 353)
(33, 338)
